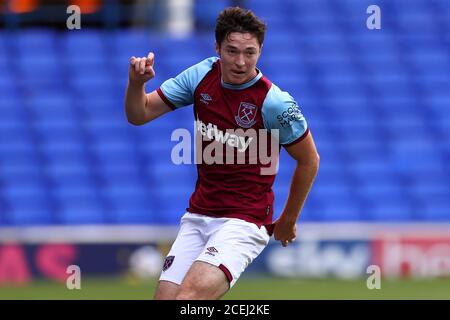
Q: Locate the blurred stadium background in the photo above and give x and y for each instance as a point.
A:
(81, 186)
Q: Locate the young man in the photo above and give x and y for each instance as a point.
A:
(229, 219)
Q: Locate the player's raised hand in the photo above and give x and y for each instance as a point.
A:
(141, 69)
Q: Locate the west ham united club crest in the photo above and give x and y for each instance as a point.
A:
(168, 262)
(246, 115)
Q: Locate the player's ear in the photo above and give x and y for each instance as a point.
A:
(218, 49)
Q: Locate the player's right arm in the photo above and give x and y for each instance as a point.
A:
(140, 107)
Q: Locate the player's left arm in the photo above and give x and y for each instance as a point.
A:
(281, 112)
(307, 158)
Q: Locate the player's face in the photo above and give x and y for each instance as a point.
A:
(239, 53)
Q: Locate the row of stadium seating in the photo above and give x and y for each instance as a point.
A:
(377, 102)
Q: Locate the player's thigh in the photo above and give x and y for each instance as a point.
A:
(202, 282)
(187, 246)
(166, 290)
(234, 247)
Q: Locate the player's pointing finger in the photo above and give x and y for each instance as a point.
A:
(150, 58)
(136, 64)
(142, 65)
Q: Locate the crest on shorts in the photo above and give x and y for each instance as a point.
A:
(168, 262)
(246, 115)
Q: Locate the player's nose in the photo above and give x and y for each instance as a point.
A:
(240, 62)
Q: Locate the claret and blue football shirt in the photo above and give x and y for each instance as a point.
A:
(234, 190)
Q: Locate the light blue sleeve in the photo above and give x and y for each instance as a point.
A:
(280, 111)
(180, 90)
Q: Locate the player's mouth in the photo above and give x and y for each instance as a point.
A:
(238, 73)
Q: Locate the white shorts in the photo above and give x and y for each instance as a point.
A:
(228, 243)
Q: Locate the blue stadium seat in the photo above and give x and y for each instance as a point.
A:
(434, 210)
(39, 67)
(206, 11)
(83, 46)
(76, 167)
(27, 201)
(172, 202)
(34, 40)
(390, 211)
(133, 212)
(338, 208)
(67, 196)
(131, 200)
(376, 102)
(30, 213)
(82, 212)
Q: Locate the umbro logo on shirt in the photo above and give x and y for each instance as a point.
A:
(205, 98)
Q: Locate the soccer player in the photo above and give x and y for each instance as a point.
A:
(229, 219)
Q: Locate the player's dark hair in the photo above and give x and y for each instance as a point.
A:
(235, 19)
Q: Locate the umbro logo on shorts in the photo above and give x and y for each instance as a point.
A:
(168, 262)
(211, 251)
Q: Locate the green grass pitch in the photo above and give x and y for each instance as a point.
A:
(246, 288)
